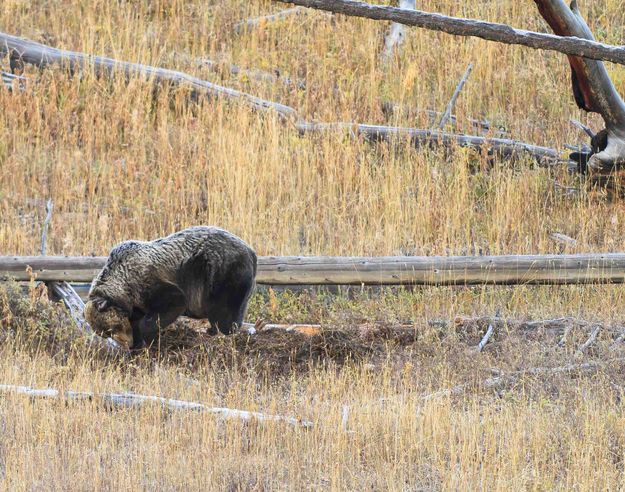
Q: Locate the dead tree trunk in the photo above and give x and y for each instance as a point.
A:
(594, 92)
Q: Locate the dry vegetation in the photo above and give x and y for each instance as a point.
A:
(121, 161)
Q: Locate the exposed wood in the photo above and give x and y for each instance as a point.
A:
(563, 238)
(487, 336)
(383, 270)
(133, 400)
(500, 33)
(499, 146)
(41, 55)
(593, 91)
(303, 329)
(75, 306)
(10, 80)
(46, 224)
(591, 339)
(454, 98)
(395, 37)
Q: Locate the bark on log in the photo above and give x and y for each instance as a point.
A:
(502, 147)
(384, 270)
(125, 400)
(500, 33)
(41, 55)
(593, 91)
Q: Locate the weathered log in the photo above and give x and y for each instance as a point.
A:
(41, 55)
(593, 91)
(499, 146)
(383, 270)
(395, 37)
(133, 400)
(500, 33)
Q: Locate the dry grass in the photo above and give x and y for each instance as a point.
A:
(120, 161)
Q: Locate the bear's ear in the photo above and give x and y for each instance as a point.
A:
(101, 304)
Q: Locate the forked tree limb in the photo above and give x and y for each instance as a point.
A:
(500, 33)
(454, 98)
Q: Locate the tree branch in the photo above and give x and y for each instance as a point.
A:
(501, 33)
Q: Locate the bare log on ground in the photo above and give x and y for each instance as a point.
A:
(75, 306)
(383, 270)
(125, 400)
(500, 33)
(499, 146)
(41, 55)
(395, 38)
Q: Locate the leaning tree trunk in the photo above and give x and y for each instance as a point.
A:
(594, 92)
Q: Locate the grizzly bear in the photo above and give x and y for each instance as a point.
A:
(201, 272)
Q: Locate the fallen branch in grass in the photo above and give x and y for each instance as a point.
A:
(500, 33)
(10, 81)
(41, 55)
(506, 379)
(396, 35)
(125, 400)
(591, 339)
(304, 329)
(389, 108)
(498, 146)
(452, 102)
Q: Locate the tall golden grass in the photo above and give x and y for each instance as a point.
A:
(121, 161)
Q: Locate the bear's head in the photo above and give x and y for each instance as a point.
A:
(108, 320)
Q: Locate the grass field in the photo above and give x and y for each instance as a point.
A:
(122, 161)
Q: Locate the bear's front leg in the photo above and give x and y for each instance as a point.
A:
(166, 303)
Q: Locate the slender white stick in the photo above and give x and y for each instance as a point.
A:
(46, 224)
(486, 338)
(452, 102)
(135, 400)
(591, 339)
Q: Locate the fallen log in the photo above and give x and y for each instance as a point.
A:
(38, 54)
(500, 33)
(42, 55)
(383, 270)
(500, 146)
(132, 400)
